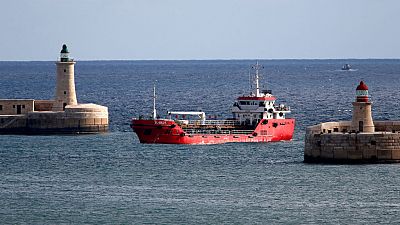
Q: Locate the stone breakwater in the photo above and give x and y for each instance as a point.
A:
(332, 142)
(76, 119)
(61, 115)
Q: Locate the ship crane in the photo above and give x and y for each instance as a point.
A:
(202, 115)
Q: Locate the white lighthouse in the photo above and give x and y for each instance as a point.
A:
(362, 116)
(65, 87)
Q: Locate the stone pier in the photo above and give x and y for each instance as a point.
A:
(333, 143)
(360, 140)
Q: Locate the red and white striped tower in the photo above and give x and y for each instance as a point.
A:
(362, 116)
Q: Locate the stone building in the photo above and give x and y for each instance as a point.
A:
(62, 115)
(360, 140)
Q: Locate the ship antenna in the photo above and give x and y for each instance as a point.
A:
(154, 102)
(250, 83)
(257, 67)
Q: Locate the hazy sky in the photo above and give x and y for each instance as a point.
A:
(202, 29)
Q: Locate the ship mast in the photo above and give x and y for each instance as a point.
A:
(257, 67)
(154, 103)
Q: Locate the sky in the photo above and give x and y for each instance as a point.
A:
(199, 29)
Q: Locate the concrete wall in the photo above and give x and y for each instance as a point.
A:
(329, 127)
(344, 147)
(389, 126)
(345, 126)
(11, 106)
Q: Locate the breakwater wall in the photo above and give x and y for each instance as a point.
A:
(83, 118)
(334, 142)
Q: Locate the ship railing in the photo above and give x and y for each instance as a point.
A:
(208, 131)
(242, 131)
(214, 122)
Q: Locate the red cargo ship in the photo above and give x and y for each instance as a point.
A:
(256, 118)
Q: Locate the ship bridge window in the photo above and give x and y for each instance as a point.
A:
(246, 103)
(1, 107)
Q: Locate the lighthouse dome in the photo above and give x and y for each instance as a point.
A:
(64, 49)
(362, 92)
(362, 86)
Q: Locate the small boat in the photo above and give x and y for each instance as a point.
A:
(346, 67)
(256, 118)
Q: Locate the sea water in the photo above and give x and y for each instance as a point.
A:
(113, 179)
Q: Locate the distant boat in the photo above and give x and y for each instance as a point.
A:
(346, 67)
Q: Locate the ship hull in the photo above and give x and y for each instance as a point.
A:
(164, 131)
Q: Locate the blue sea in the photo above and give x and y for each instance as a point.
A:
(113, 179)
